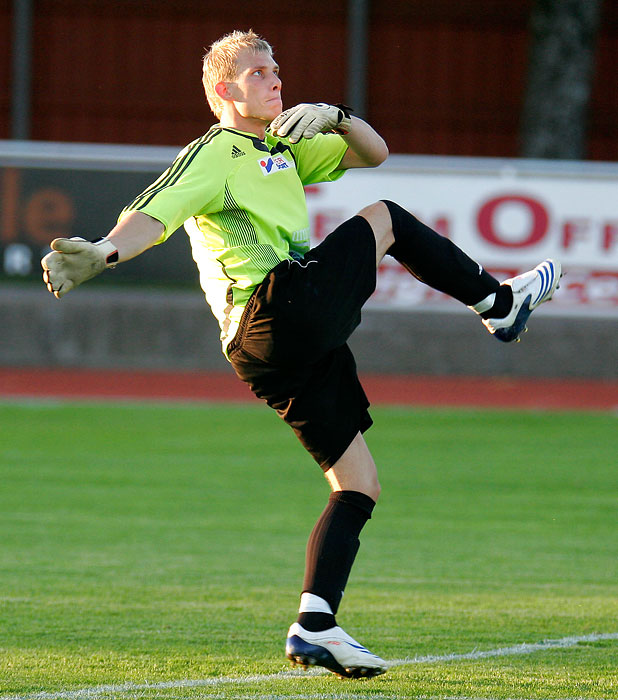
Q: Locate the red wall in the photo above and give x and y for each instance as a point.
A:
(444, 77)
(128, 73)
(603, 120)
(448, 79)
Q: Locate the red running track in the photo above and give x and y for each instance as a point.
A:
(539, 394)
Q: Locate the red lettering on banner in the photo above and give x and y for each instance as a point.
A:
(49, 213)
(486, 224)
(610, 236)
(589, 287)
(574, 230)
(581, 287)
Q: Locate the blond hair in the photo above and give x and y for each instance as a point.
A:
(220, 62)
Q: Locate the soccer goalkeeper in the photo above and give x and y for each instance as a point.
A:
(286, 311)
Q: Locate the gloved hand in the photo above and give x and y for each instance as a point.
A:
(75, 260)
(307, 120)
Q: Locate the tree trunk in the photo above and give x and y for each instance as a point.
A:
(563, 40)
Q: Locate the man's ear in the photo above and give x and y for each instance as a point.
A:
(223, 91)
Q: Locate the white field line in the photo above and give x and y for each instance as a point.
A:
(131, 688)
(525, 648)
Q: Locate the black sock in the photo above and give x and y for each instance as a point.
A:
(502, 305)
(315, 621)
(333, 545)
(437, 261)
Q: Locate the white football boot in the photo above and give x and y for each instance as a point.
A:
(333, 649)
(530, 289)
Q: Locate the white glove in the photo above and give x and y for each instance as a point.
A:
(307, 120)
(75, 260)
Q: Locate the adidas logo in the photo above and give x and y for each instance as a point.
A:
(236, 152)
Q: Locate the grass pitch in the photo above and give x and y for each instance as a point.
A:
(156, 551)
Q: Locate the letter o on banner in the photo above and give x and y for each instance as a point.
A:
(486, 221)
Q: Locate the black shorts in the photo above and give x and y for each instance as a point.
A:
(291, 345)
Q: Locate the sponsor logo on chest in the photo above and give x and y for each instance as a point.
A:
(273, 164)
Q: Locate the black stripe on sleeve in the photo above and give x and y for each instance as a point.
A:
(172, 174)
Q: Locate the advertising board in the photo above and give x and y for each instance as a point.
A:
(506, 214)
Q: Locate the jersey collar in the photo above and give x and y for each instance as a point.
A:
(258, 144)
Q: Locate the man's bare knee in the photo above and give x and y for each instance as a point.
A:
(355, 470)
(363, 483)
(379, 218)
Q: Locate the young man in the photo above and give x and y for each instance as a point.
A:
(285, 311)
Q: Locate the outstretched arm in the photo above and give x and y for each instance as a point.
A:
(74, 260)
(134, 234)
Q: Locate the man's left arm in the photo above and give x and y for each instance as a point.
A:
(366, 148)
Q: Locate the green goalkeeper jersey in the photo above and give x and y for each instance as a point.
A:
(243, 205)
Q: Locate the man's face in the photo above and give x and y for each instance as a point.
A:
(257, 89)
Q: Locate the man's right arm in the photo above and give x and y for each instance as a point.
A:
(74, 261)
(135, 233)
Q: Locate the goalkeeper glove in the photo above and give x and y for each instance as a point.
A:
(307, 120)
(75, 260)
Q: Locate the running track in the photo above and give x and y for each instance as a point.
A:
(538, 394)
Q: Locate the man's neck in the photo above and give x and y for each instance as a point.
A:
(249, 126)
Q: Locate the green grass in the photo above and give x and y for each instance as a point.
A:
(151, 543)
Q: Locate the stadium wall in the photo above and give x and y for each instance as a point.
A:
(164, 330)
(454, 72)
(537, 210)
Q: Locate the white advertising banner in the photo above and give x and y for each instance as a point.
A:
(507, 215)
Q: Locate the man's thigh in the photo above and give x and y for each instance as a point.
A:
(323, 401)
(312, 306)
(291, 346)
